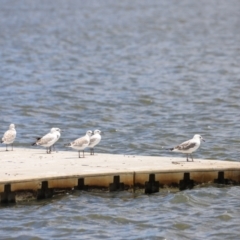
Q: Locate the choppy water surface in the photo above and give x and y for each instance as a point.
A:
(149, 74)
(194, 214)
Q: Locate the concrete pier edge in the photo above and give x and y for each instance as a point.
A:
(32, 170)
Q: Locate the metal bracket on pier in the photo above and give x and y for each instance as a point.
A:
(152, 186)
(221, 179)
(7, 196)
(81, 185)
(116, 185)
(44, 192)
(186, 183)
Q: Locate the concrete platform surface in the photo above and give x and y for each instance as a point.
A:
(24, 164)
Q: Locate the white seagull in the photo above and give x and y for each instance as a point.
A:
(81, 143)
(9, 136)
(189, 146)
(58, 134)
(94, 140)
(49, 139)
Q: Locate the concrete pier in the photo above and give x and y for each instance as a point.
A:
(34, 170)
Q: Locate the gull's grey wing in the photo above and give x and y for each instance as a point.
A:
(186, 145)
(9, 136)
(45, 139)
(80, 142)
(92, 140)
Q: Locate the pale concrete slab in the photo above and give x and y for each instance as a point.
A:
(25, 164)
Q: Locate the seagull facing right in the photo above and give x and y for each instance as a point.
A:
(189, 146)
(81, 143)
(49, 139)
(9, 136)
(94, 140)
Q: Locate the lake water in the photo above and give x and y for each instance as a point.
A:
(149, 75)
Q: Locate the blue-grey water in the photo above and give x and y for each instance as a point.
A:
(149, 75)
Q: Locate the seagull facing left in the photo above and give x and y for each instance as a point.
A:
(49, 139)
(189, 146)
(9, 136)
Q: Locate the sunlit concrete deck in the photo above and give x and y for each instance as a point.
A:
(33, 169)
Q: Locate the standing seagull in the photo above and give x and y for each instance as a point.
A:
(189, 146)
(81, 143)
(58, 134)
(94, 140)
(49, 139)
(9, 136)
